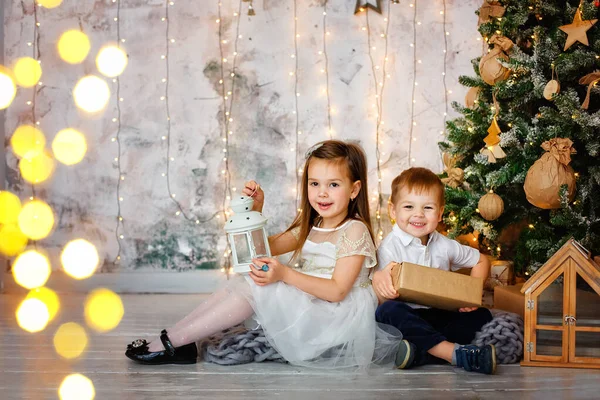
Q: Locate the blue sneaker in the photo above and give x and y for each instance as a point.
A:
(405, 355)
(477, 359)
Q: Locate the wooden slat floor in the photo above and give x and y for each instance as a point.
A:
(30, 368)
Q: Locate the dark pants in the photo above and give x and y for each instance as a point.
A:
(427, 327)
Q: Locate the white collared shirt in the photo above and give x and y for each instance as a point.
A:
(440, 252)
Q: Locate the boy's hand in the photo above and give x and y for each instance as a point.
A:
(382, 283)
(467, 309)
(252, 189)
(275, 271)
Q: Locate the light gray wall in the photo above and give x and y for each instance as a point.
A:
(84, 197)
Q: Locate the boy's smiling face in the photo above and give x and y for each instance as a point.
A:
(417, 213)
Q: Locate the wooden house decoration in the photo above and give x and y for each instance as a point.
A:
(562, 311)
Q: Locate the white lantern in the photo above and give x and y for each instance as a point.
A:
(246, 233)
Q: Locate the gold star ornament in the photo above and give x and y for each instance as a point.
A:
(362, 5)
(576, 30)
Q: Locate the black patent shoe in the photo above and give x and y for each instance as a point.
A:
(138, 351)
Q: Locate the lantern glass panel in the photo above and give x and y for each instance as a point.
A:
(548, 343)
(586, 344)
(242, 249)
(258, 239)
(587, 302)
(550, 304)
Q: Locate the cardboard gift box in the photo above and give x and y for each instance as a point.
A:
(436, 288)
(510, 298)
(501, 274)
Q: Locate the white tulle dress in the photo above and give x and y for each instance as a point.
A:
(312, 332)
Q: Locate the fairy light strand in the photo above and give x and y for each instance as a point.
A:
(36, 56)
(412, 106)
(227, 118)
(167, 137)
(296, 112)
(325, 34)
(379, 90)
(443, 131)
(117, 139)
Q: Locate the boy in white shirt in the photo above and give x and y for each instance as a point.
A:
(417, 205)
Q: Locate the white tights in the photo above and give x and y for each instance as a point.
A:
(221, 310)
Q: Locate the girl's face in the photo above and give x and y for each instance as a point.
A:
(330, 190)
(417, 214)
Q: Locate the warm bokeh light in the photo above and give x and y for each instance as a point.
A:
(76, 387)
(69, 146)
(31, 269)
(27, 72)
(12, 240)
(111, 61)
(36, 219)
(48, 297)
(32, 315)
(8, 87)
(70, 340)
(103, 310)
(91, 94)
(79, 259)
(37, 169)
(27, 141)
(73, 46)
(10, 206)
(49, 3)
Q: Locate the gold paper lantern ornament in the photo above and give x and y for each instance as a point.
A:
(490, 206)
(549, 173)
(490, 69)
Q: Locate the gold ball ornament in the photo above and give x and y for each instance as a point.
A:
(490, 206)
(472, 96)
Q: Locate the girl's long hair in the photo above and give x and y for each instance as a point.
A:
(353, 157)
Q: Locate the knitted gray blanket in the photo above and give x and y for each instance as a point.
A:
(505, 332)
(238, 345)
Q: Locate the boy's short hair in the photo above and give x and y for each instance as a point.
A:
(418, 180)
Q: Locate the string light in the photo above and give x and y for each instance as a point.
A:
(379, 90)
(415, 83)
(325, 34)
(36, 56)
(167, 137)
(296, 113)
(227, 119)
(442, 132)
(117, 139)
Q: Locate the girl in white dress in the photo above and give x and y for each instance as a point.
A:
(320, 310)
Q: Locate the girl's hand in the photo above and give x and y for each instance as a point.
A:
(382, 283)
(252, 189)
(467, 309)
(275, 272)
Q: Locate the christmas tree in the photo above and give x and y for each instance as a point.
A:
(529, 132)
